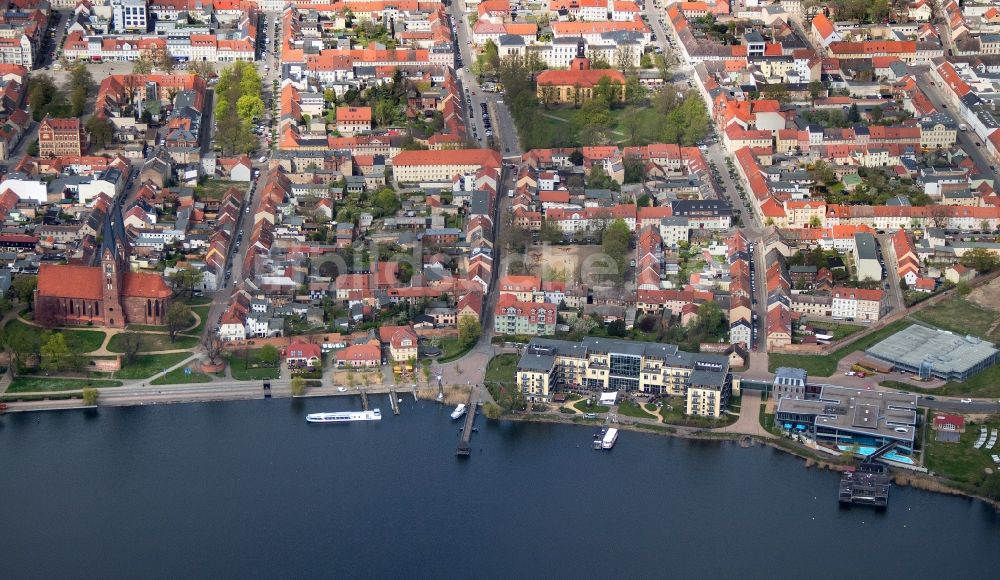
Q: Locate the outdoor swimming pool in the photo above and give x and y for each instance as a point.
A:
(891, 456)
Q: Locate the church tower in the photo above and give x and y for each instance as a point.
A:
(114, 265)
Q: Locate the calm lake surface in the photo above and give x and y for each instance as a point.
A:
(249, 490)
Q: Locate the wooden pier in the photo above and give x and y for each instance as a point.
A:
(394, 401)
(470, 419)
(364, 399)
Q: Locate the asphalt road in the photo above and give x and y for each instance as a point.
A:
(892, 272)
(967, 139)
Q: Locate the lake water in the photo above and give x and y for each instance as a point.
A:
(249, 490)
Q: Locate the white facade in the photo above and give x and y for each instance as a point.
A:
(130, 16)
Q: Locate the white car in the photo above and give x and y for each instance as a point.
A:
(966, 400)
(341, 389)
(849, 374)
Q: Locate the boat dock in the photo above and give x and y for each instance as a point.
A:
(470, 418)
(364, 399)
(869, 483)
(394, 401)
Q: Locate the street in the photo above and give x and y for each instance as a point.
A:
(969, 141)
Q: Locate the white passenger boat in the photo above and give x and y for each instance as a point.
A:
(609, 438)
(459, 411)
(345, 417)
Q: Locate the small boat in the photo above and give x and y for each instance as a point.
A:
(459, 411)
(346, 417)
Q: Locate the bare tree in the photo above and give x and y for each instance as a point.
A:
(213, 346)
(131, 343)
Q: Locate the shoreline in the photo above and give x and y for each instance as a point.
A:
(921, 481)
(925, 482)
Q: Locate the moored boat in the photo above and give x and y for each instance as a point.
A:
(459, 411)
(344, 417)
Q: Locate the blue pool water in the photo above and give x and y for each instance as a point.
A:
(891, 456)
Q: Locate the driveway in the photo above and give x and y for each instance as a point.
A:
(749, 421)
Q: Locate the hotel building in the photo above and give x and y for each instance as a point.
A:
(621, 365)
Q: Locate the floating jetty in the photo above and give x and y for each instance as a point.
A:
(394, 401)
(470, 418)
(869, 483)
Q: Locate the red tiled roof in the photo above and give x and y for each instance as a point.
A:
(143, 285)
(68, 281)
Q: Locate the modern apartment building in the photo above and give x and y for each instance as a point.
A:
(512, 316)
(129, 16)
(620, 365)
(866, 257)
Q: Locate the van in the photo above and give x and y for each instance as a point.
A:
(590, 415)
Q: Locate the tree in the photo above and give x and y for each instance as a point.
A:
(592, 123)
(979, 259)
(55, 353)
(633, 123)
(142, 65)
(298, 386)
(268, 354)
(89, 396)
(599, 178)
(386, 202)
(776, 91)
(249, 107)
(576, 157)
(203, 69)
(78, 85)
(101, 132)
(615, 243)
(617, 328)
(634, 173)
(185, 281)
(550, 233)
(177, 319)
(23, 288)
(131, 343)
(643, 201)
(816, 88)
(468, 330)
(158, 58)
(213, 346)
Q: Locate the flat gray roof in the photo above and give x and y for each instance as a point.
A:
(859, 410)
(866, 246)
(945, 351)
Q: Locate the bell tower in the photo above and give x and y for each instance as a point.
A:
(114, 264)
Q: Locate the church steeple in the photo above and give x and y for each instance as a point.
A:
(114, 264)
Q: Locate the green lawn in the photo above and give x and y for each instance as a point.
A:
(216, 188)
(959, 461)
(197, 301)
(177, 377)
(674, 415)
(78, 341)
(630, 409)
(202, 312)
(154, 342)
(960, 316)
(502, 369)
(452, 348)
(583, 407)
(826, 365)
(251, 368)
(147, 365)
(841, 331)
(46, 384)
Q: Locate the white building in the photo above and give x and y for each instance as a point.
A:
(129, 16)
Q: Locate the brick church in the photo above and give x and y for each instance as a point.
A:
(105, 294)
